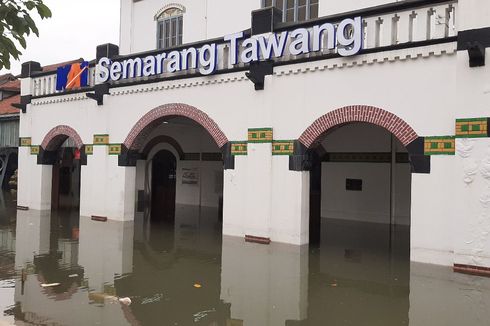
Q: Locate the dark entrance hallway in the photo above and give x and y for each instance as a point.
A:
(65, 193)
(360, 176)
(163, 187)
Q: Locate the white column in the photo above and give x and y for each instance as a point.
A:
(432, 213)
(290, 203)
(107, 190)
(258, 190)
(34, 182)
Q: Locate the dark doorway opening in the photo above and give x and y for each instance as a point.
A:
(163, 187)
(65, 193)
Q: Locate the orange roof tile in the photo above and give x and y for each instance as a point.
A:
(6, 105)
(60, 64)
(13, 85)
(6, 78)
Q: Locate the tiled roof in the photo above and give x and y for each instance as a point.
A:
(6, 105)
(60, 64)
(13, 85)
(6, 78)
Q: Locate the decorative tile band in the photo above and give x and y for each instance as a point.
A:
(89, 149)
(282, 147)
(260, 135)
(472, 128)
(101, 139)
(35, 150)
(239, 148)
(25, 141)
(444, 145)
(114, 149)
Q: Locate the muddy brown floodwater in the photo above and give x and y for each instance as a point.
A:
(59, 269)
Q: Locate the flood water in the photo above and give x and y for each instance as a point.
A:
(59, 269)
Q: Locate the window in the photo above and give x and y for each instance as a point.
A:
(294, 10)
(169, 28)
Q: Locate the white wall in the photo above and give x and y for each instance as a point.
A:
(372, 204)
(193, 139)
(331, 7)
(294, 97)
(205, 19)
(202, 20)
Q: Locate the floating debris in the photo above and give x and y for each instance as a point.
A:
(197, 285)
(49, 285)
(72, 275)
(201, 314)
(125, 301)
(157, 297)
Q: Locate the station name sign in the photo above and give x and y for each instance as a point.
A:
(344, 37)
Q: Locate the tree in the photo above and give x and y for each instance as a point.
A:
(16, 24)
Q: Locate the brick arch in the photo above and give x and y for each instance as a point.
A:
(358, 113)
(56, 136)
(143, 128)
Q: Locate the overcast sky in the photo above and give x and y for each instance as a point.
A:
(76, 28)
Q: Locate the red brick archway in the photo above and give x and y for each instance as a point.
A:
(143, 128)
(56, 136)
(358, 113)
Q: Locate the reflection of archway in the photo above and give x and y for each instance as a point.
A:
(63, 148)
(151, 120)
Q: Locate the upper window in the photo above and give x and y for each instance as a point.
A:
(169, 28)
(294, 10)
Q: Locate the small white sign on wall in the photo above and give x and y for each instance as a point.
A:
(190, 176)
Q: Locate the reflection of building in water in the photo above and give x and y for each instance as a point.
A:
(439, 297)
(265, 285)
(176, 270)
(46, 256)
(106, 252)
(357, 278)
(191, 279)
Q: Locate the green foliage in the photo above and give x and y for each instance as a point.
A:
(16, 24)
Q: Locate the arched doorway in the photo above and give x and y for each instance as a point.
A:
(360, 180)
(358, 153)
(360, 207)
(65, 188)
(63, 149)
(179, 177)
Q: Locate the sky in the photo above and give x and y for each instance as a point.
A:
(74, 31)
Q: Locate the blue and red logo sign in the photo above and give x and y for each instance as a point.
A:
(72, 76)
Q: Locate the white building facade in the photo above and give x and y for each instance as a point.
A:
(377, 108)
